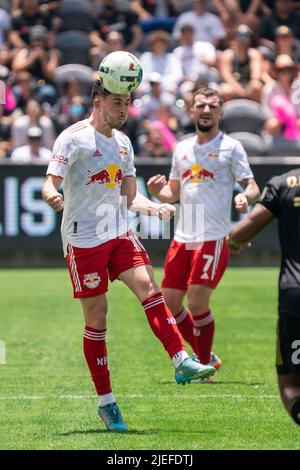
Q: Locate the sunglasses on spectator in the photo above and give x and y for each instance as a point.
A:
(285, 69)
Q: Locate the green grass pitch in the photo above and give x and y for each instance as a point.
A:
(47, 400)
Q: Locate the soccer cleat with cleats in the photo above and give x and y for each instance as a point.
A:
(190, 369)
(112, 417)
(216, 362)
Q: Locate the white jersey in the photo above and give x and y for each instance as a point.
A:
(207, 174)
(93, 167)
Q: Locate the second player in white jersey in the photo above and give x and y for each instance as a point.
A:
(93, 167)
(207, 174)
(204, 171)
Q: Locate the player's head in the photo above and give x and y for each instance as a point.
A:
(111, 108)
(207, 109)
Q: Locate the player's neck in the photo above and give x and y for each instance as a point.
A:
(100, 125)
(205, 137)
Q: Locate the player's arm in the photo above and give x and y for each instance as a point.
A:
(128, 189)
(250, 195)
(241, 233)
(51, 194)
(165, 191)
(145, 206)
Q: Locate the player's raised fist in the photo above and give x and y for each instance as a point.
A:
(241, 203)
(56, 202)
(166, 212)
(156, 183)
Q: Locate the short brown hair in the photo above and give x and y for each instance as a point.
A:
(99, 90)
(208, 92)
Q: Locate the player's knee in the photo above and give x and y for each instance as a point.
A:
(95, 314)
(173, 304)
(147, 286)
(197, 305)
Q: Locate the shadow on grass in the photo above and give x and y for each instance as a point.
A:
(131, 432)
(222, 382)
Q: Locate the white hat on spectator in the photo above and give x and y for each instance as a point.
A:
(34, 132)
(154, 77)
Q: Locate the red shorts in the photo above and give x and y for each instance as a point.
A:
(90, 267)
(204, 265)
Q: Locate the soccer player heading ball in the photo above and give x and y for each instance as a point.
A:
(95, 160)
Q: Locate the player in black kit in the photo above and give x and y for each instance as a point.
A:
(281, 199)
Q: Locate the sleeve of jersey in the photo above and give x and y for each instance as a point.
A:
(270, 197)
(240, 165)
(129, 167)
(174, 173)
(63, 155)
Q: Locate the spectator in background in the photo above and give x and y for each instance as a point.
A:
(40, 62)
(6, 94)
(156, 14)
(76, 111)
(286, 43)
(5, 26)
(164, 123)
(268, 5)
(154, 145)
(6, 55)
(23, 89)
(241, 68)
(152, 101)
(111, 17)
(33, 117)
(236, 12)
(5, 128)
(32, 152)
(196, 57)
(283, 14)
(114, 41)
(159, 60)
(28, 16)
(281, 102)
(50, 6)
(208, 26)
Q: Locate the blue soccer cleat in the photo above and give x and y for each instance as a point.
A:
(190, 369)
(112, 417)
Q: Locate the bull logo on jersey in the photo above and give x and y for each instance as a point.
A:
(111, 176)
(197, 174)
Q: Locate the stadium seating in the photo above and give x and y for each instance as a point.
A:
(74, 46)
(282, 147)
(75, 14)
(243, 115)
(254, 144)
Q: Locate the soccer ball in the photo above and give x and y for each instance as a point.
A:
(120, 72)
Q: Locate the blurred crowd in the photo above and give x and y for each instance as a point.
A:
(248, 50)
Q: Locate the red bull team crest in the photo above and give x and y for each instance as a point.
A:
(91, 280)
(197, 174)
(111, 176)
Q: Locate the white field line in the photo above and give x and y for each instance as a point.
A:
(142, 396)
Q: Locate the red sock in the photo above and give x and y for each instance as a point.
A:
(163, 324)
(94, 347)
(203, 336)
(185, 324)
